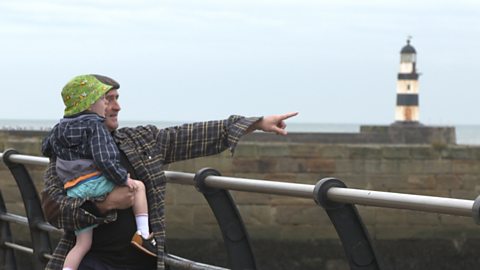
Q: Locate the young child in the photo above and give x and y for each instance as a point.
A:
(88, 161)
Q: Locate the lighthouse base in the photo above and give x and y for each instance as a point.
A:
(411, 133)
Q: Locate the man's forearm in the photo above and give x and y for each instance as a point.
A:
(95, 208)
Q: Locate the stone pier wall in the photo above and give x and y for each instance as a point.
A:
(294, 233)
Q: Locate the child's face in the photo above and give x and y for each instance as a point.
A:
(99, 106)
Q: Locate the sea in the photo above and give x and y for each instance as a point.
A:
(466, 134)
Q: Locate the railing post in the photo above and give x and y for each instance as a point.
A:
(40, 239)
(476, 210)
(349, 226)
(7, 256)
(234, 234)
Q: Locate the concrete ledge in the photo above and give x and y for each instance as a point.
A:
(393, 134)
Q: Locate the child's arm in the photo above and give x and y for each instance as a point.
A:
(106, 155)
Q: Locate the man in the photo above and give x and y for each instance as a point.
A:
(145, 150)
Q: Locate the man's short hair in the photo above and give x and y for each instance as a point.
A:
(107, 80)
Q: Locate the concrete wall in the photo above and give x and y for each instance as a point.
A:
(282, 226)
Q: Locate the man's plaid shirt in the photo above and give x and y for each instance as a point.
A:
(148, 149)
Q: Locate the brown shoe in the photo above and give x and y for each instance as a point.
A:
(147, 245)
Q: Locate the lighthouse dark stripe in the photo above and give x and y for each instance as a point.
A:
(408, 76)
(407, 100)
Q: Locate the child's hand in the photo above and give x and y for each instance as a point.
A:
(131, 183)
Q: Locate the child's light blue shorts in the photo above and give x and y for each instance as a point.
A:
(93, 188)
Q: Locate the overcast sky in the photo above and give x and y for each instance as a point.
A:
(332, 61)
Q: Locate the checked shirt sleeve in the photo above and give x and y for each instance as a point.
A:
(203, 138)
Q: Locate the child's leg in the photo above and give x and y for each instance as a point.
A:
(140, 209)
(76, 254)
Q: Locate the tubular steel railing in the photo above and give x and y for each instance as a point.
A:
(39, 228)
(332, 194)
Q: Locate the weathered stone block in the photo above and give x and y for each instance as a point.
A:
(308, 232)
(366, 152)
(180, 214)
(337, 265)
(185, 195)
(294, 215)
(458, 222)
(460, 153)
(246, 149)
(183, 231)
(285, 200)
(424, 152)
(410, 166)
(203, 214)
(16, 208)
(386, 182)
(326, 166)
(259, 231)
(350, 166)
(387, 216)
(448, 181)
(251, 198)
(306, 150)
(253, 165)
(396, 152)
(335, 151)
(257, 215)
(466, 166)
(436, 166)
(469, 181)
(421, 181)
(373, 166)
(390, 166)
(422, 218)
(273, 150)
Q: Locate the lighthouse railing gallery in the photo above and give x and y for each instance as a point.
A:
(329, 193)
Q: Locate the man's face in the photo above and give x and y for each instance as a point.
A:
(111, 112)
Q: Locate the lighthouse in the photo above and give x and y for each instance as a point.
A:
(406, 110)
(407, 129)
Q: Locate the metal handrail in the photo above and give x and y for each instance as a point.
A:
(440, 205)
(332, 194)
(170, 259)
(9, 217)
(423, 203)
(244, 184)
(26, 159)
